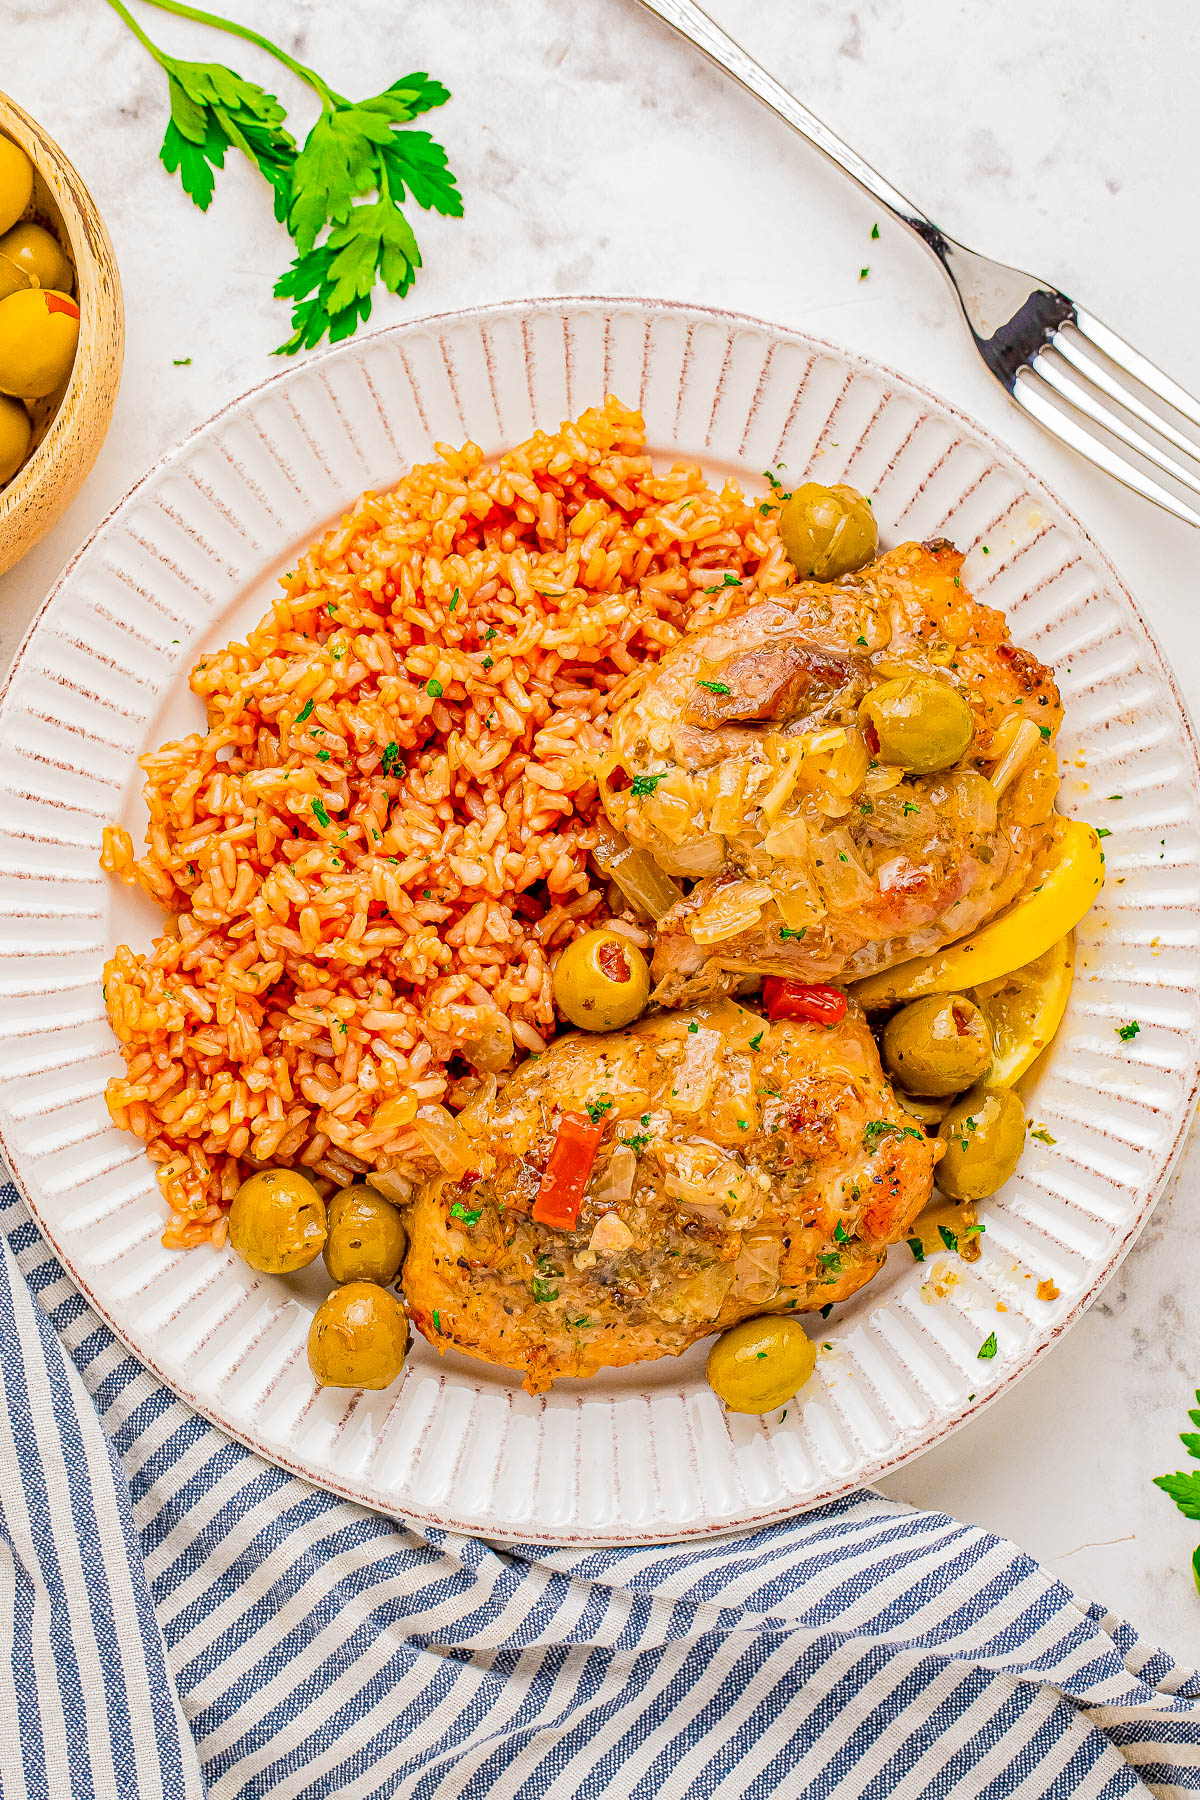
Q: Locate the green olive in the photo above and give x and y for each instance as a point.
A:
(38, 253)
(827, 531)
(12, 279)
(601, 981)
(39, 329)
(928, 1113)
(15, 432)
(938, 1045)
(16, 182)
(358, 1337)
(277, 1221)
(366, 1239)
(918, 722)
(984, 1134)
(758, 1365)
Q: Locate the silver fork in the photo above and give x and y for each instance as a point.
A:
(1058, 361)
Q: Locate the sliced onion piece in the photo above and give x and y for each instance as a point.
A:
(444, 1138)
(732, 910)
(637, 875)
(1025, 740)
(392, 1185)
(615, 1186)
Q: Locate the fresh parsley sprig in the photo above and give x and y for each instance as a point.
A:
(340, 195)
(1183, 1487)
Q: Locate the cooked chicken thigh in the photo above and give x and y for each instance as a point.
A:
(742, 1167)
(750, 760)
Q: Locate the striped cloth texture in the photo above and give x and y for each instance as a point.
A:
(187, 1622)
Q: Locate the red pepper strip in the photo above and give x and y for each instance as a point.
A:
(802, 1000)
(561, 1193)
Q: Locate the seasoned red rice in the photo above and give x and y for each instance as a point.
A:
(372, 854)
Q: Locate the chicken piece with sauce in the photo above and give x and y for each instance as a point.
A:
(854, 774)
(703, 1167)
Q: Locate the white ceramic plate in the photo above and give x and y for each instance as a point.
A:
(191, 557)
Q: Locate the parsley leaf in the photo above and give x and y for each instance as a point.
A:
(1127, 1033)
(948, 1237)
(214, 110)
(988, 1348)
(470, 1215)
(1183, 1487)
(389, 759)
(643, 785)
(339, 195)
(322, 816)
(917, 1248)
(542, 1290)
(714, 687)
(304, 712)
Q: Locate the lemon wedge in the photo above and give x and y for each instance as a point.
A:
(1061, 887)
(1025, 1009)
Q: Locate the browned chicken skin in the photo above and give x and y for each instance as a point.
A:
(746, 1167)
(741, 762)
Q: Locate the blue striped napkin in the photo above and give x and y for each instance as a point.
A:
(189, 1623)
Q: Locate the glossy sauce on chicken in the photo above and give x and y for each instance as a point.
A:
(747, 763)
(745, 1167)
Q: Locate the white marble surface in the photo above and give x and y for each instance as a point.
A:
(597, 154)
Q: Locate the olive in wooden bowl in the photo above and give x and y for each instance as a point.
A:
(62, 332)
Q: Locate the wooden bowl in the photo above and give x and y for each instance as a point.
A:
(45, 485)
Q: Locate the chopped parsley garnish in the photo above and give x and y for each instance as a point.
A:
(1043, 1136)
(489, 662)
(910, 806)
(434, 689)
(987, 1349)
(638, 1141)
(391, 756)
(917, 1248)
(470, 1215)
(303, 714)
(876, 1129)
(785, 931)
(826, 1310)
(862, 641)
(324, 755)
(863, 273)
(831, 1260)
(1045, 731)
(756, 1041)
(727, 580)
(644, 784)
(1102, 832)
(743, 1124)
(715, 687)
(542, 1290)
(1128, 1032)
(692, 1026)
(948, 1237)
(874, 231)
(454, 602)
(840, 1234)
(321, 814)
(596, 1109)
(437, 1319)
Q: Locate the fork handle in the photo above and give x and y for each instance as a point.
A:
(707, 36)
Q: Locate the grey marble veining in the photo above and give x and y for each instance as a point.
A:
(596, 153)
